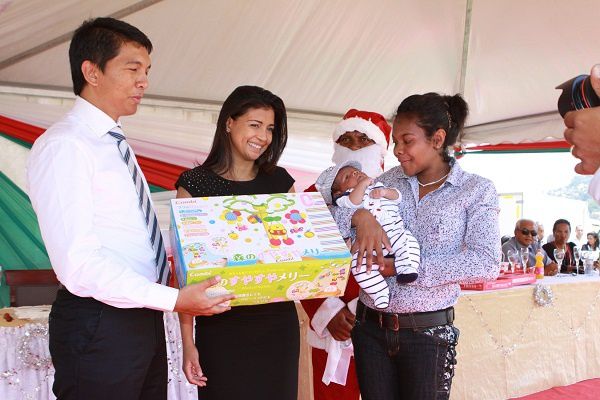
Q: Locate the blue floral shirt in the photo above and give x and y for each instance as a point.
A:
(457, 228)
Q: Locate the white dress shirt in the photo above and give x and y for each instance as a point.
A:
(88, 212)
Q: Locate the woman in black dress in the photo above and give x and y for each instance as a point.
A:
(561, 231)
(592, 242)
(249, 352)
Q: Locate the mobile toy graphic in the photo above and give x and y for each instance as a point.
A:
(267, 212)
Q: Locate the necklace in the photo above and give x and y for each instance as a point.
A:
(434, 182)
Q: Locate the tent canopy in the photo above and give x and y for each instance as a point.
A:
(321, 56)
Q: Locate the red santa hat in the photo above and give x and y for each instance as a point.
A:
(371, 124)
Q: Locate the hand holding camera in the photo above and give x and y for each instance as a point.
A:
(580, 92)
(579, 105)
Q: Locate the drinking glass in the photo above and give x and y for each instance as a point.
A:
(588, 258)
(524, 258)
(504, 265)
(513, 259)
(576, 257)
(559, 256)
(588, 265)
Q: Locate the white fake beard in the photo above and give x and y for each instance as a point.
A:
(370, 158)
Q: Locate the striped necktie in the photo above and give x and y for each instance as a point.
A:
(160, 256)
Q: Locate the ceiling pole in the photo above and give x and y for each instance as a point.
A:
(464, 59)
(67, 36)
(465, 49)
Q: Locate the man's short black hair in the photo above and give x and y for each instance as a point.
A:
(99, 40)
(561, 221)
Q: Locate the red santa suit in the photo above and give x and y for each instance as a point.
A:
(334, 374)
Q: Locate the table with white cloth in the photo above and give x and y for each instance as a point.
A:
(519, 341)
(26, 370)
(509, 344)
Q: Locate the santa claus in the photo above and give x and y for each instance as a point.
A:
(361, 136)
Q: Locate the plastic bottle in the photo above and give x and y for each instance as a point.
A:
(539, 265)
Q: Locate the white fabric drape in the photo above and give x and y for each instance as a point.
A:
(26, 370)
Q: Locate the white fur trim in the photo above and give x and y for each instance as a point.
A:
(370, 157)
(361, 125)
(325, 313)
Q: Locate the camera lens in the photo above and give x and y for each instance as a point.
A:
(577, 94)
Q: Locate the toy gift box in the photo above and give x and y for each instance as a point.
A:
(487, 285)
(504, 281)
(518, 279)
(266, 248)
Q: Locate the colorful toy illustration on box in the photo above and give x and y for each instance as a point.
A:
(270, 247)
(265, 212)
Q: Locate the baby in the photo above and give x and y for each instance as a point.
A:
(345, 185)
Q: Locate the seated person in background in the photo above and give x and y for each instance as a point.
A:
(540, 234)
(345, 185)
(525, 234)
(561, 232)
(592, 246)
(592, 242)
(580, 240)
